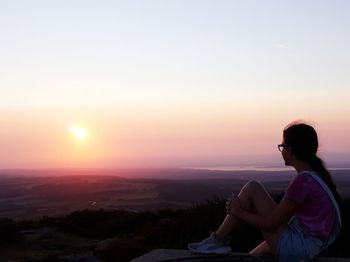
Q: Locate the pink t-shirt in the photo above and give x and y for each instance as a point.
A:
(315, 211)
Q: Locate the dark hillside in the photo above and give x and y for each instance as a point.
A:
(124, 235)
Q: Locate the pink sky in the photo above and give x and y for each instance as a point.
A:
(189, 135)
(170, 83)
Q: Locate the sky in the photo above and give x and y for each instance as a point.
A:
(190, 83)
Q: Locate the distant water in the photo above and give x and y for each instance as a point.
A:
(250, 168)
(254, 168)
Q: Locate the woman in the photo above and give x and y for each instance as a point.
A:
(304, 223)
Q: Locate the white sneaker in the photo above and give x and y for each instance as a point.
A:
(211, 245)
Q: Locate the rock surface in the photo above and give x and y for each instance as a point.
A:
(168, 255)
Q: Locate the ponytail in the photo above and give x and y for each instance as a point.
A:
(318, 166)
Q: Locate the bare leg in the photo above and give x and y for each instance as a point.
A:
(253, 197)
(262, 249)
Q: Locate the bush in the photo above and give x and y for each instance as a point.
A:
(9, 232)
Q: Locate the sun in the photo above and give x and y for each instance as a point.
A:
(78, 132)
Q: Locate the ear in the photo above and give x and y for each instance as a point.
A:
(290, 151)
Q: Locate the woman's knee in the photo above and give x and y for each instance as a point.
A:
(247, 193)
(252, 186)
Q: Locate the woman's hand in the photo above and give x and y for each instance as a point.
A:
(233, 205)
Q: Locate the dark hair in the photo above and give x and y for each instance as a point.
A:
(303, 141)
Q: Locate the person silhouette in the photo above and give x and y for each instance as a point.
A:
(305, 222)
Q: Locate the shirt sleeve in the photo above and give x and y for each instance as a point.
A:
(298, 189)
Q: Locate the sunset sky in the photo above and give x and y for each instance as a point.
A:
(170, 83)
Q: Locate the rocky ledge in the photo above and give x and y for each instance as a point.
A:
(168, 255)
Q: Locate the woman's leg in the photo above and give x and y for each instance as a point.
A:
(253, 197)
(262, 249)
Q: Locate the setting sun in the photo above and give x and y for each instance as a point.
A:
(78, 132)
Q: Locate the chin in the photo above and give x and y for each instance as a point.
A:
(286, 163)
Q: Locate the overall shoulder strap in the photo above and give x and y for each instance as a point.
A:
(336, 228)
(326, 189)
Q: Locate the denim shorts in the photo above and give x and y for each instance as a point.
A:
(296, 245)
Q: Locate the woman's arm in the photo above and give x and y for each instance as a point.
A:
(279, 215)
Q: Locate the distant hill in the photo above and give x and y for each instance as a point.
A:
(24, 196)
